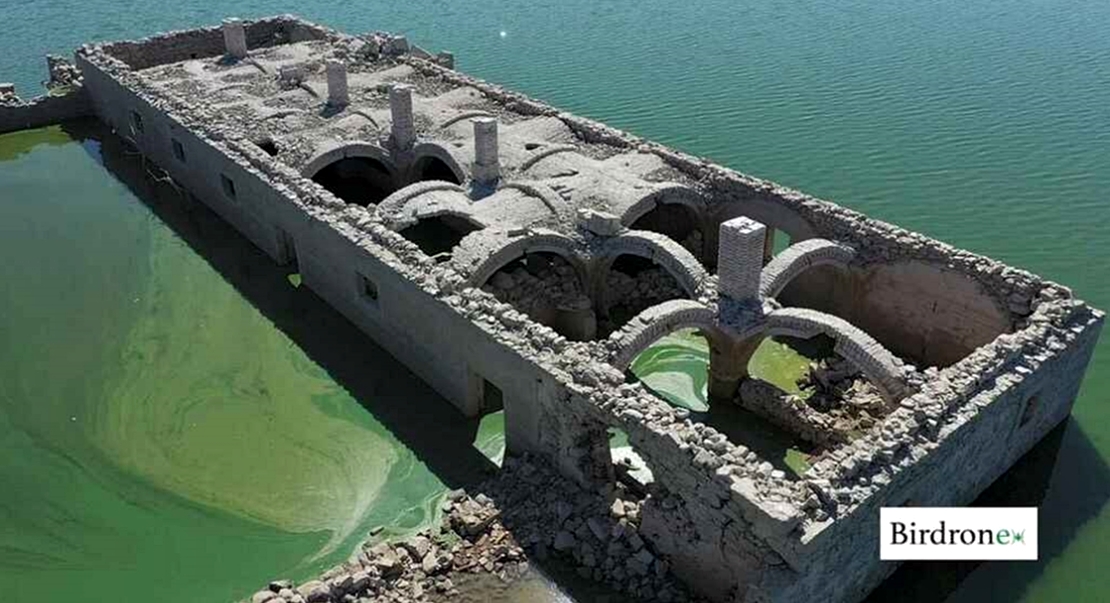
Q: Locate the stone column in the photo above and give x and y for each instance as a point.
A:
(404, 127)
(235, 38)
(769, 245)
(728, 366)
(740, 258)
(337, 83)
(487, 165)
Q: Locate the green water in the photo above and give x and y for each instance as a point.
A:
(676, 367)
(159, 431)
(984, 124)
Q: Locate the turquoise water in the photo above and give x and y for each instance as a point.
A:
(984, 124)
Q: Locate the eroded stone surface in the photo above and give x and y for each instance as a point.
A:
(976, 360)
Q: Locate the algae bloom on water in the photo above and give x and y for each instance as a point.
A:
(677, 368)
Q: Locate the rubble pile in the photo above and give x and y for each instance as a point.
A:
(538, 290)
(526, 512)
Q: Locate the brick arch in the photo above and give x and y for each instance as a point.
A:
(664, 194)
(770, 213)
(798, 258)
(672, 257)
(481, 254)
(878, 365)
(330, 155)
(655, 322)
(392, 208)
(432, 150)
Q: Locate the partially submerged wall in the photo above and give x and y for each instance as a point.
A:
(44, 111)
(731, 524)
(66, 100)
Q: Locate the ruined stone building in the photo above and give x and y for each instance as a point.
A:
(518, 257)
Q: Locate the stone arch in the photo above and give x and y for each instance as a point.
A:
(392, 208)
(770, 213)
(483, 253)
(774, 215)
(673, 210)
(665, 194)
(432, 161)
(672, 257)
(355, 172)
(798, 258)
(923, 310)
(540, 275)
(655, 322)
(878, 365)
(634, 254)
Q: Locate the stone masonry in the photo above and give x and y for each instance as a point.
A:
(401, 188)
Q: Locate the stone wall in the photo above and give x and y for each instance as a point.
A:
(44, 111)
(174, 46)
(730, 524)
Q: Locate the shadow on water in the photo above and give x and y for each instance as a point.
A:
(437, 433)
(1065, 476)
(429, 425)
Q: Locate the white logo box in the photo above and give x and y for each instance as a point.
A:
(958, 533)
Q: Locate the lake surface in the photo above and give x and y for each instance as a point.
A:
(983, 124)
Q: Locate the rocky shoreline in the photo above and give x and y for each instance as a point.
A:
(524, 515)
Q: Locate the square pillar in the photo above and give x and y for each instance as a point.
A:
(740, 258)
(487, 164)
(337, 83)
(235, 38)
(404, 126)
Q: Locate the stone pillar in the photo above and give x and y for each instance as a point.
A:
(337, 83)
(728, 366)
(487, 165)
(404, 127)
(235, 38)
(576, 320)
(740, 258)
(769, 246)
